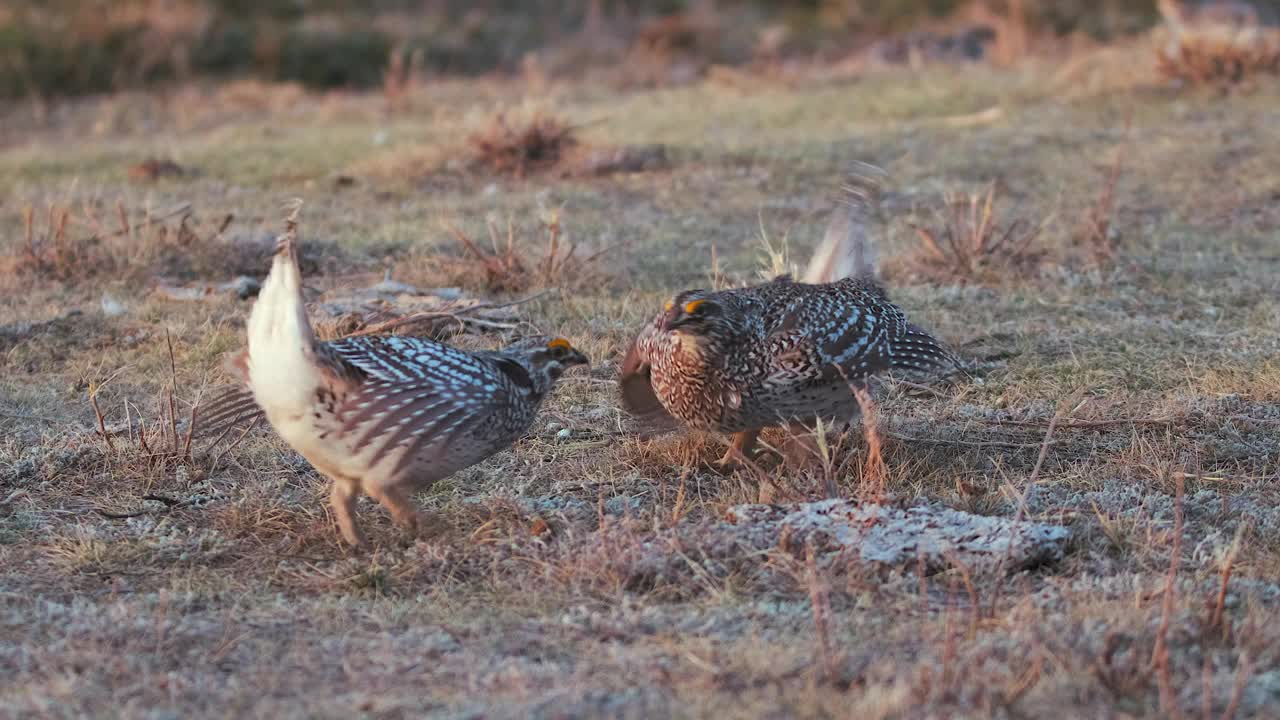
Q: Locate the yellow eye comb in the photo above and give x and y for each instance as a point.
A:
(692, 306)
(559, 343)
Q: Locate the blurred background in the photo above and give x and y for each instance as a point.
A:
(52, 48)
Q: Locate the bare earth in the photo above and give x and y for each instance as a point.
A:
(579, 574)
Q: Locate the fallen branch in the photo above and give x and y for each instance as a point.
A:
(460, 316)
(41, 418)
(965, 443)
(1086, 424)
(119, 515)
(168, 502)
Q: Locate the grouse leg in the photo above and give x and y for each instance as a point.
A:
(742, 448)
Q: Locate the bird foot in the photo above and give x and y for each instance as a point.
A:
(741, 453)
(727, 465)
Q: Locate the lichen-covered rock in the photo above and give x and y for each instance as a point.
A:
(845, 536)
(881, 535)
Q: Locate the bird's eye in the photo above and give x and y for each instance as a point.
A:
(558, 348)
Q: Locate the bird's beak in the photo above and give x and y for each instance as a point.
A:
(577, 358)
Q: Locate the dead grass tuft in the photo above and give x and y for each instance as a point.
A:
(153, 169)
(160, 446)
(672, 49)
(400, 79)
(71, 245)
(520, 148)
(969, 242)
(1213, 59)
(1218, 45)
(50, 253)
(1098, 237)
(514, 264)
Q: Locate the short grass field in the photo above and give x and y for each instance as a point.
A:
(1124, 351)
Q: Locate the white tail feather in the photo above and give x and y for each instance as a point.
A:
(282, 370)
(847, 249)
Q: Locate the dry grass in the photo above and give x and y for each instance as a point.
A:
(153, 169)
(401, 79)
(48, 252)
(1215, 46)
(142, 247)
(573, 575)
(1213, 59)
(1098, 235)
(523, 146)
(514, 262)
(968, 241)
(673, 49)
(62, 250)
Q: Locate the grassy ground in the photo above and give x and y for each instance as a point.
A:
(141, 584)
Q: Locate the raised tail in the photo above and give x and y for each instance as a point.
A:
(282, 370)
(847, 249)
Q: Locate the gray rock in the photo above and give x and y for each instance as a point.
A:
(845, 536)
(896, 537)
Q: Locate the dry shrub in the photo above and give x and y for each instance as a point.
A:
(50, 253)
(256, 96)
(153, 169)
(543, 143)
(67, 245)
(1219, 44)
(672, 49)
(968, 240)
(400, 78)
(1212, 59)
(161, 446)
(514, 264)
(518, 148)
(1098, 237)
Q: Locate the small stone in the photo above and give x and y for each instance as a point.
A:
(244, 287)
(564, 434)
(112, 307)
